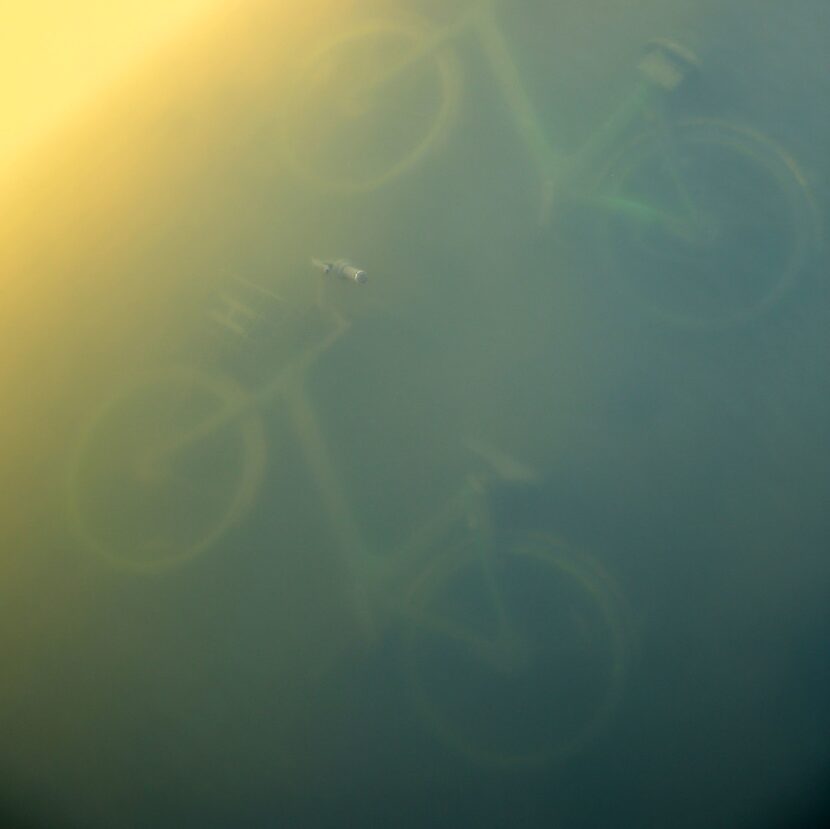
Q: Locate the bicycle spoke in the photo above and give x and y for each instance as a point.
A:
(479, 668)
(751, 224)
(142, 502)
(670, 153)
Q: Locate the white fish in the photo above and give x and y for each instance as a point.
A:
(342, 269)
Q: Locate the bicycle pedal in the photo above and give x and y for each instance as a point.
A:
(667, 64)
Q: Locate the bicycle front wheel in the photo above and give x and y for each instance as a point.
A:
(708, 224)
(369, 105)
(164, 468)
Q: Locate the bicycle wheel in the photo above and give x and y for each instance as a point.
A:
(739, 227)
(164, 468)
(368, 106)
(524, 675)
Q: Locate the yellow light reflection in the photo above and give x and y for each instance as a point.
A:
(56, 55)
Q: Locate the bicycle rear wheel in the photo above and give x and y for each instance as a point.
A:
(368, 106)
(744, 226)
(522, 662)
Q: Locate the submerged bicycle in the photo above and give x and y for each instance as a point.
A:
(709, 223)
(516, 646)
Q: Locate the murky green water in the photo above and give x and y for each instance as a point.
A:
(529, 529)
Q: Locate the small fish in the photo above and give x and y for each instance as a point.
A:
(342, 269)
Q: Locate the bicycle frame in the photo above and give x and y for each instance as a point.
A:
(378, 583)
(369, 574)
(558, 170)
(458, 535)
(658, 195)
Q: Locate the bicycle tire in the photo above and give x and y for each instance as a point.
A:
(121, 500)
(316, 117)
(553, 731)
(764, 220)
